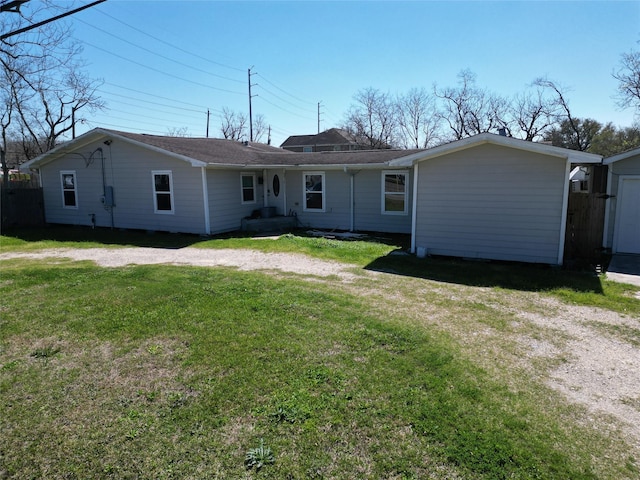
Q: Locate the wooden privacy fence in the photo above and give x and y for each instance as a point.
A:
(22, 207)
(585, 226)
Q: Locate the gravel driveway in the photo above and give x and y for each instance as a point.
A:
(601, 371)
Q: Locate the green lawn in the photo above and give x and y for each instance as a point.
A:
(177, 372)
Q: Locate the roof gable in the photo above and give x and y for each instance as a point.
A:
(622, 156)
(489, 138)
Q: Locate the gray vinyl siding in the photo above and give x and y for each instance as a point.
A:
(491, 202)
(337, 215)
(628, 166)
(226, 209)
(128, 169)
(368, 204)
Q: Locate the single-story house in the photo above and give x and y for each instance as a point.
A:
(622, 212)
(486, 196)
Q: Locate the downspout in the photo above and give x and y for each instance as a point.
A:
(205, 196)
(414, 208)
(607, 209)
(565, 206)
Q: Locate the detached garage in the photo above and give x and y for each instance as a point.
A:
(622, 214)
(493, 197)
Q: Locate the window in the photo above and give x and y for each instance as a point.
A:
(162, 192)
(394, 193)
(307, 149)
(248, 186)
(314, 191)
(69, 191)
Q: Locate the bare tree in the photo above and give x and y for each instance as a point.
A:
(628, 76)
(260, 127)
(234, 125)
(417, 118)
(178, 132)
(580, 131)
(372, 118)
(42, 85)
(469, 110)
(532, 114)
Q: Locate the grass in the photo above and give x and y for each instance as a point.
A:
(176, 372)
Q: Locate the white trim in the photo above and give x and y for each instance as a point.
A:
(253, 186)
(155, 193)
(489, 138)
(75, 189)
(265, 188)
(565, 207)
(621, 179)
(607, 210)
(383, 194)
(323, 192)
(205, 195)
(352, 222)
(98, 134)
(414, 209)
(621, 156)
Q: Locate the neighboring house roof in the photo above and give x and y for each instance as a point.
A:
(212, 152)
(574, 156)
(621, 156)
(333, 136)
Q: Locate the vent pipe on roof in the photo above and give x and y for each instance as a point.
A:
(502, 132)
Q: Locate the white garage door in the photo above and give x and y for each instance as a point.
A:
(628, 219)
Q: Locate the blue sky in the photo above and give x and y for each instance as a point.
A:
(164, 63)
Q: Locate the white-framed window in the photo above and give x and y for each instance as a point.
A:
(162, 191)
(69, 189)
(394, 192)
(313, 191)
(248, 188)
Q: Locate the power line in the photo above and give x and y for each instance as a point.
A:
(160, 55)
(147, 109)
(157, 96)
(284, 91)
(169, 44)
(162, 72)
(49, 20)
(153, 103)
(281, 99)
(284, 109)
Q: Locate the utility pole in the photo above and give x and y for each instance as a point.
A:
(319, 103)
(73, 122)
(208, 114)
(269, 136)
(250, 113)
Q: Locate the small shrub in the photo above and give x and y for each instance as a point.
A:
(259, 457)
(45, 352)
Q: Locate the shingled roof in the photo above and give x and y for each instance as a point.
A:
(333, 136)
(219, 152)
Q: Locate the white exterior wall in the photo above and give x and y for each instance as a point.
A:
(628, 167)
(128, 169)
(491, 202)
(226, 209)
